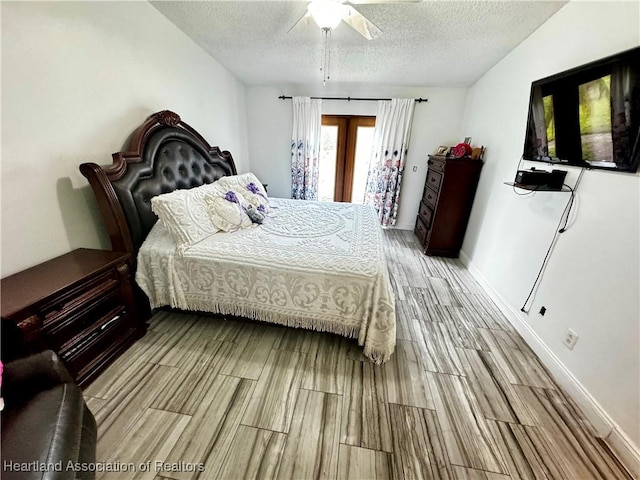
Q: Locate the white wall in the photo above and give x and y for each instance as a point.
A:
(269, 123)
(78, 78)
(592, 280)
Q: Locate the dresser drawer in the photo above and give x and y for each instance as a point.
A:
(436, 163)
(434, 179)
(429, 197)
(425, 214)
(421, 230)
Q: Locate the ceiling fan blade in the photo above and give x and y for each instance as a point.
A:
(359, 23)
(303, 19)
(373, 2)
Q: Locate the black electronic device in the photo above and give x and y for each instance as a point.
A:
(553, 180)
(532, 177)
(588, 116)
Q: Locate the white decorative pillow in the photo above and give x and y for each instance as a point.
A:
(228, 211)
(185, 215)
(249, 187)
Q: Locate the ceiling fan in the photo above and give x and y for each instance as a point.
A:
(327, 14)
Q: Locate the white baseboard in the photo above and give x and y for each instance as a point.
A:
(623, 447)
(605, 426)
(403, 226)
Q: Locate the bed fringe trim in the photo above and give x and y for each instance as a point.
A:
(377, 356)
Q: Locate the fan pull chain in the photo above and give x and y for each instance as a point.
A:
(326, 55)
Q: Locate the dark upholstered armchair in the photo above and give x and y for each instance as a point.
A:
(45, 422)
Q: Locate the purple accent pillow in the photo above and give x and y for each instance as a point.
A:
(249, 188)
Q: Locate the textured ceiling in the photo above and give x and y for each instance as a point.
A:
(429, 43)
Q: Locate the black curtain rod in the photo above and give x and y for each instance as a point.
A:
(349, 99)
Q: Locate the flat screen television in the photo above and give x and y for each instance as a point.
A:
(588, 116)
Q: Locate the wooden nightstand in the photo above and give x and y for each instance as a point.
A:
(80, 305)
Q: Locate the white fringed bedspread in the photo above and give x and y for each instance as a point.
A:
(313, 265)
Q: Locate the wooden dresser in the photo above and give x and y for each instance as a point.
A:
(446, 204)
(80, 305)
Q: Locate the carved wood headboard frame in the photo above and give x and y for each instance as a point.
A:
(164, 154)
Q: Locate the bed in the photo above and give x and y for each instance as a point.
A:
(313, 265)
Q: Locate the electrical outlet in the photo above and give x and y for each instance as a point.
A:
(570, 339)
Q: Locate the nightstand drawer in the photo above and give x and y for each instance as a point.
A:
(434, 179)
(79, 351)
(89, 314)
(79, 299)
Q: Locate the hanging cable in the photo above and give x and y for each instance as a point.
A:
(561, 228)
(326, 55)
(575, 187)
(529, 192)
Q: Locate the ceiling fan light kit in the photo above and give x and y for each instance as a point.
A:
(326, 13)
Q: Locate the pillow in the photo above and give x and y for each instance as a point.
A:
(228, 212)
(250, 188)
(185, 215)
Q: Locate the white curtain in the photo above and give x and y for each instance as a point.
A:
(390, 144)
(305, 147)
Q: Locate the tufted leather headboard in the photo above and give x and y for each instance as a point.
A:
(164, 154)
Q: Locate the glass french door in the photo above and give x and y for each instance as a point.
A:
(347, 142)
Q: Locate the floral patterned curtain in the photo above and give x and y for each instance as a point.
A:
(390, 143)
(305, 148)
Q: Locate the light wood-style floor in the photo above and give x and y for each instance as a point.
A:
(463, 397)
